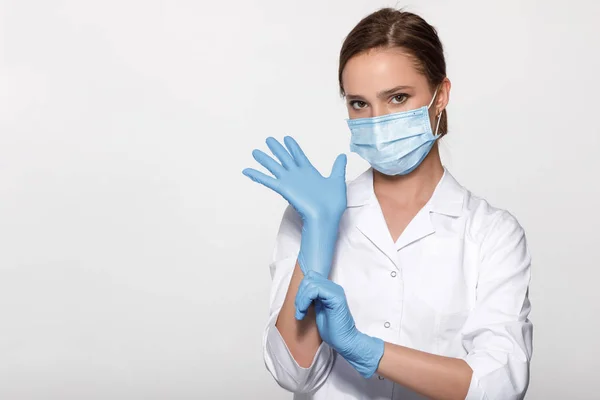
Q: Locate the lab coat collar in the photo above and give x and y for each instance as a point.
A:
(447, 197)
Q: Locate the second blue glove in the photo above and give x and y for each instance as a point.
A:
(336, 324)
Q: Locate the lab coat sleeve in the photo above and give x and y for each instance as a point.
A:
(498, 334)
(278, 359)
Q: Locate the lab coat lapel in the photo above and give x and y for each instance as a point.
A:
(369, 219)
(371, 223)
(418, 228)
(447, 199)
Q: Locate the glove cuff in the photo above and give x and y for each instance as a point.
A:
(367, 354)
(317, 246)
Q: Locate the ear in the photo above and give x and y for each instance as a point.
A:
(443, 96)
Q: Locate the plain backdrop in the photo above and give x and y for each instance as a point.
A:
(133, 252)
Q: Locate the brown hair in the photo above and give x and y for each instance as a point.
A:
(396, 28)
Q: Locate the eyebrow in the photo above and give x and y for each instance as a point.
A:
(381, 94)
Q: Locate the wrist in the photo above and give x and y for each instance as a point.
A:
(317, 245)
(367, 354)
(322, 226)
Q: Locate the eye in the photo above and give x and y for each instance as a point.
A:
(358, 104)
(399, 98)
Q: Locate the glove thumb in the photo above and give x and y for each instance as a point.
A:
(339, 167)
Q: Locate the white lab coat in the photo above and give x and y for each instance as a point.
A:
(454, 284)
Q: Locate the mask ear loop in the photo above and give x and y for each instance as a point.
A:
(433, 98)
(437, 125)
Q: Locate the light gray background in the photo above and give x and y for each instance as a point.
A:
(134, 254)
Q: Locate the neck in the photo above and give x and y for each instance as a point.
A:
(418, 186)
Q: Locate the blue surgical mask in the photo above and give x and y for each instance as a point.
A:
(394, 144)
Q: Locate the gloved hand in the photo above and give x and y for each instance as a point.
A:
(320, 201)
(336, 325)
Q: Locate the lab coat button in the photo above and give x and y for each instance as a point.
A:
(393, 274)
(387, 324)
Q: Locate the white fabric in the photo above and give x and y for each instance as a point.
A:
(455, 284)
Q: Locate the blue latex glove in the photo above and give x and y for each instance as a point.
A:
(320, 201)
(336, 325)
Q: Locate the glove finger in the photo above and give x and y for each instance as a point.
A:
(304, 299)
(304, 283)
(263, 179)
(339, 167)
(302, 286)
(281, 153)
(296, 151)
(273, 166)
(329, 293)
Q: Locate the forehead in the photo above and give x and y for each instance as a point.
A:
(380, 69)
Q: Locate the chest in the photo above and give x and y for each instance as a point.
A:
(439, 269)
(414, 292)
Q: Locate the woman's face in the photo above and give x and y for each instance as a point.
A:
(384, 81)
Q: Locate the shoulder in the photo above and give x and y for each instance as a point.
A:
(490, 226)
(359, 190)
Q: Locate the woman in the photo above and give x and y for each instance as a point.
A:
(401, 284)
